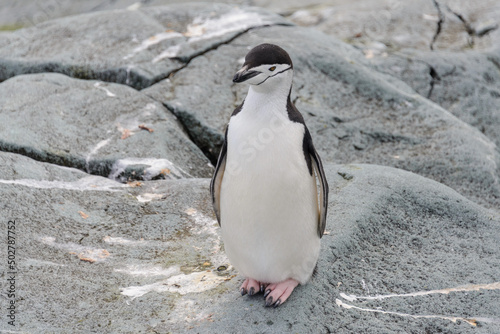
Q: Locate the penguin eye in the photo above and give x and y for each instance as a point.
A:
(272, 68)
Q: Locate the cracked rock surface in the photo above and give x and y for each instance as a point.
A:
(354, 113)
(95, 127)
(377, 25)
(110, 122)
(132, 47)
(466, 84)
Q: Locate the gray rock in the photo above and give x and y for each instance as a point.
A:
(14, 15)
(133, 47)
(21, 170)
(364, 23)
(355, 113)
(463, 24)
(466, 25)
(149, 258)
(391, 32)
(465, 84)
(65, 276)
(95, 127)
(375, 25)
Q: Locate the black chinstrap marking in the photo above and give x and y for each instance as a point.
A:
(286, 69)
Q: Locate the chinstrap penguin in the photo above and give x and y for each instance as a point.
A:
(264, 188)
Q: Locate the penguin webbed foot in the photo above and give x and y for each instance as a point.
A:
(252, 287)
(277, 293)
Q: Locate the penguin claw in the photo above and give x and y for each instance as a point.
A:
(277, 293)
(250, 287)
(270, 302)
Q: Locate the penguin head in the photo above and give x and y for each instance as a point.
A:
(265, 63)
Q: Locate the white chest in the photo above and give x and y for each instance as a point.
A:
(265, 143)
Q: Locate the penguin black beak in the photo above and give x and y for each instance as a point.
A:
(243, 75)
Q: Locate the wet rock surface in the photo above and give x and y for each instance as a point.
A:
(104, 164)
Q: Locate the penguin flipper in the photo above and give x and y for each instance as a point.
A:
(215, 184)
(323, 195)
(313, 163)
